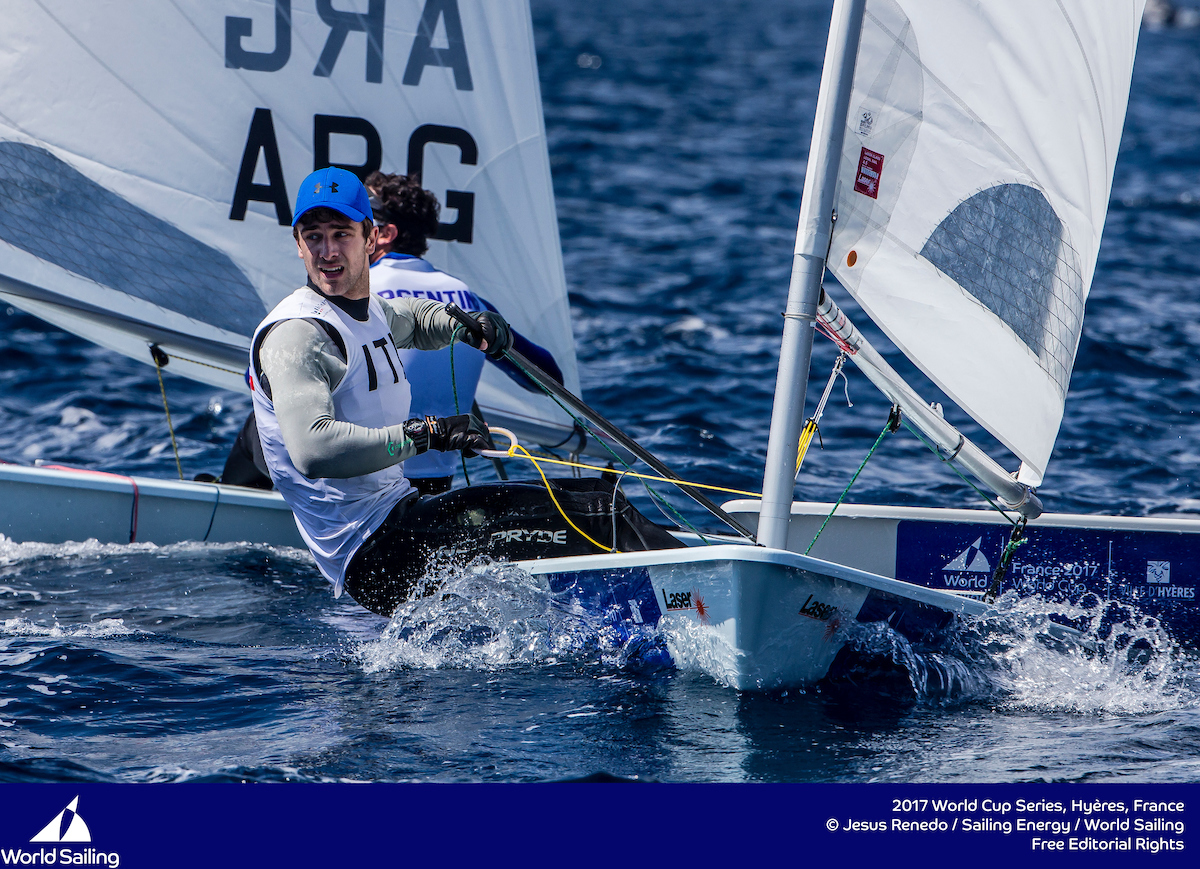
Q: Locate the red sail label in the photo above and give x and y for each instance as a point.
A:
(870, 167)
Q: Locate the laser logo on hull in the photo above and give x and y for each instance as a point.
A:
(686, 600)
(815, 609)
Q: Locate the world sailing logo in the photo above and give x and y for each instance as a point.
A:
(969, 570)
(67, 826)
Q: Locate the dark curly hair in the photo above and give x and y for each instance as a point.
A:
(411, 209)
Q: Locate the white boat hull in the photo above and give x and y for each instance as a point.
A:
(761, 617)
(56, 505)
(752, 618)
(1149, 562)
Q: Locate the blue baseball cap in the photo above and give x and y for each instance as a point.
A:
(334, 188)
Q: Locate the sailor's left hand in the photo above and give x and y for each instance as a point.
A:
(465, 432)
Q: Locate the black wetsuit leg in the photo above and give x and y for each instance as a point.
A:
(431, 485)
(502, 521)
(246, 465)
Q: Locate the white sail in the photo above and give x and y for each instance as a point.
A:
(150, 152)
(974, 184)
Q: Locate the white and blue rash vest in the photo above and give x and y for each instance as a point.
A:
(397, 275)
(337, 515)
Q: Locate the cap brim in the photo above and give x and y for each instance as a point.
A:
(353, 213)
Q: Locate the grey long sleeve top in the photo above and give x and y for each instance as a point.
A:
(303, 366)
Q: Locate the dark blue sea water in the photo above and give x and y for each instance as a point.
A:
(678, 136)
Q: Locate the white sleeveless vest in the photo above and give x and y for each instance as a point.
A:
(336, 516)
(395, 276)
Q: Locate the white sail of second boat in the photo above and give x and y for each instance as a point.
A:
(974, 183)
(150, 152)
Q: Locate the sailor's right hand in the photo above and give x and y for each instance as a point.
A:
(464, 432)
(494, 337)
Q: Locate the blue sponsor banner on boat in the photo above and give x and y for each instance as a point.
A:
(208, 825)
(1158, 572)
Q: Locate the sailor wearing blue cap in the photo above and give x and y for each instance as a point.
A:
(332, 403)
(331, 399)
(333, 188)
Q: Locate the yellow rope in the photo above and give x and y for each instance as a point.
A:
(170, 427)
(806, 436)
(513, 455)
(550, 489)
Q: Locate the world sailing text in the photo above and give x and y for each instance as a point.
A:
(59, 857)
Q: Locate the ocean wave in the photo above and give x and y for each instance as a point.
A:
(104, 628)
(12, 552)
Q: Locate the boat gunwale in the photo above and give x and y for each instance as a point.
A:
(1182, 524)
(732, 552)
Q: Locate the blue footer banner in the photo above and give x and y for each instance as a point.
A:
(580, 825)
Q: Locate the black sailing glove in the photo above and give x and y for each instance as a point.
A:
(496, 332)
(464, 432)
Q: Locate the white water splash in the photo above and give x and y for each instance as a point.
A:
(1132, 667)
(1018, 654)
(945, 673)
(702, 649)
(490, 615)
